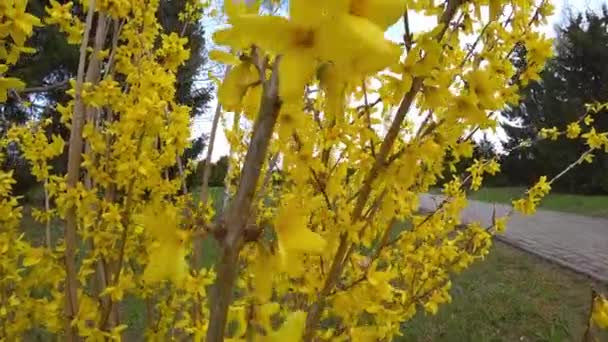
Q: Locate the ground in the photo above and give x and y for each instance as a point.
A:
(577, 204)
(510, 296)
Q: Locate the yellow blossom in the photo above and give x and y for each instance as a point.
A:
(600, 312)
(573, 130)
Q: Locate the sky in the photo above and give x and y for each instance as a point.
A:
(417, 23)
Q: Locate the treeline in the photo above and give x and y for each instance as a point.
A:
(577, 74)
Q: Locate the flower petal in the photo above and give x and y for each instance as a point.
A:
(271, 33)
(295, 70)
(383, 13)
(358, 44)
(223, 57)
(236, 82)
(312, 13)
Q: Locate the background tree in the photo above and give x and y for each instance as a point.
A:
(54, 62)
(576, 75)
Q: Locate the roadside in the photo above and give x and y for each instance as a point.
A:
(596, 205)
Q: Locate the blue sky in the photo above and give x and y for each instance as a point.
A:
(417, 23)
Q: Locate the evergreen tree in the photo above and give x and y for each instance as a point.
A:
(578, 74)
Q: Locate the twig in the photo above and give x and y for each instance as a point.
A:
(47, 208)
(407, 36)
(44, 88)
(368, 116)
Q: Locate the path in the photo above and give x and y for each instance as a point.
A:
(574, 241)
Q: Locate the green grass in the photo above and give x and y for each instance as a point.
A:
(511, 296)
(577, 204)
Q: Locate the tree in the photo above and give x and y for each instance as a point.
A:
(318, 255)
(575, 76)
(48, 70)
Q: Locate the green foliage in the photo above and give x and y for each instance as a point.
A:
(578, 74)
(217, 176)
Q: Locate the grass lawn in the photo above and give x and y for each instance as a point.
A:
(510, 296)
(577, 204)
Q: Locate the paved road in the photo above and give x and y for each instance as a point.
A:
(574, 241)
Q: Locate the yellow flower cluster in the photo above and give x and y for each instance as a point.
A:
(600, 312)
(527, 205)
(61, 15)
(133, 235)
(16, 25)
(347, 185)
(328, 161)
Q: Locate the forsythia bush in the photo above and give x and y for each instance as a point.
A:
(337, 131)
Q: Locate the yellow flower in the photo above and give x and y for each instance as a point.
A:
(291, 330)
(223, 57)
(383, 13)
(573, 130)
(291, 117)
(7, 83)
(500, 224)
(21, 23)
(167, 251)
(484, 88)
(315, 31)
(235, 85)
(525, 206)
(600, 312)
(465, 106)
(596, 140)
(293, 232)
(549, 133)
(263, 269)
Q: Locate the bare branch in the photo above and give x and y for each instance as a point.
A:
(237, 216)
(44, 88)
(73, 172)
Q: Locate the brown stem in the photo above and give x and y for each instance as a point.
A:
(47, 207)
(44, 89)
(238, 212)
(198, 241)
(72, 177)
(588, 336)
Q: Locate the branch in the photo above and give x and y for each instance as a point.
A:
(44, 88)
(368, 115)
(407, 36)
(238, 213)
(73, 172)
